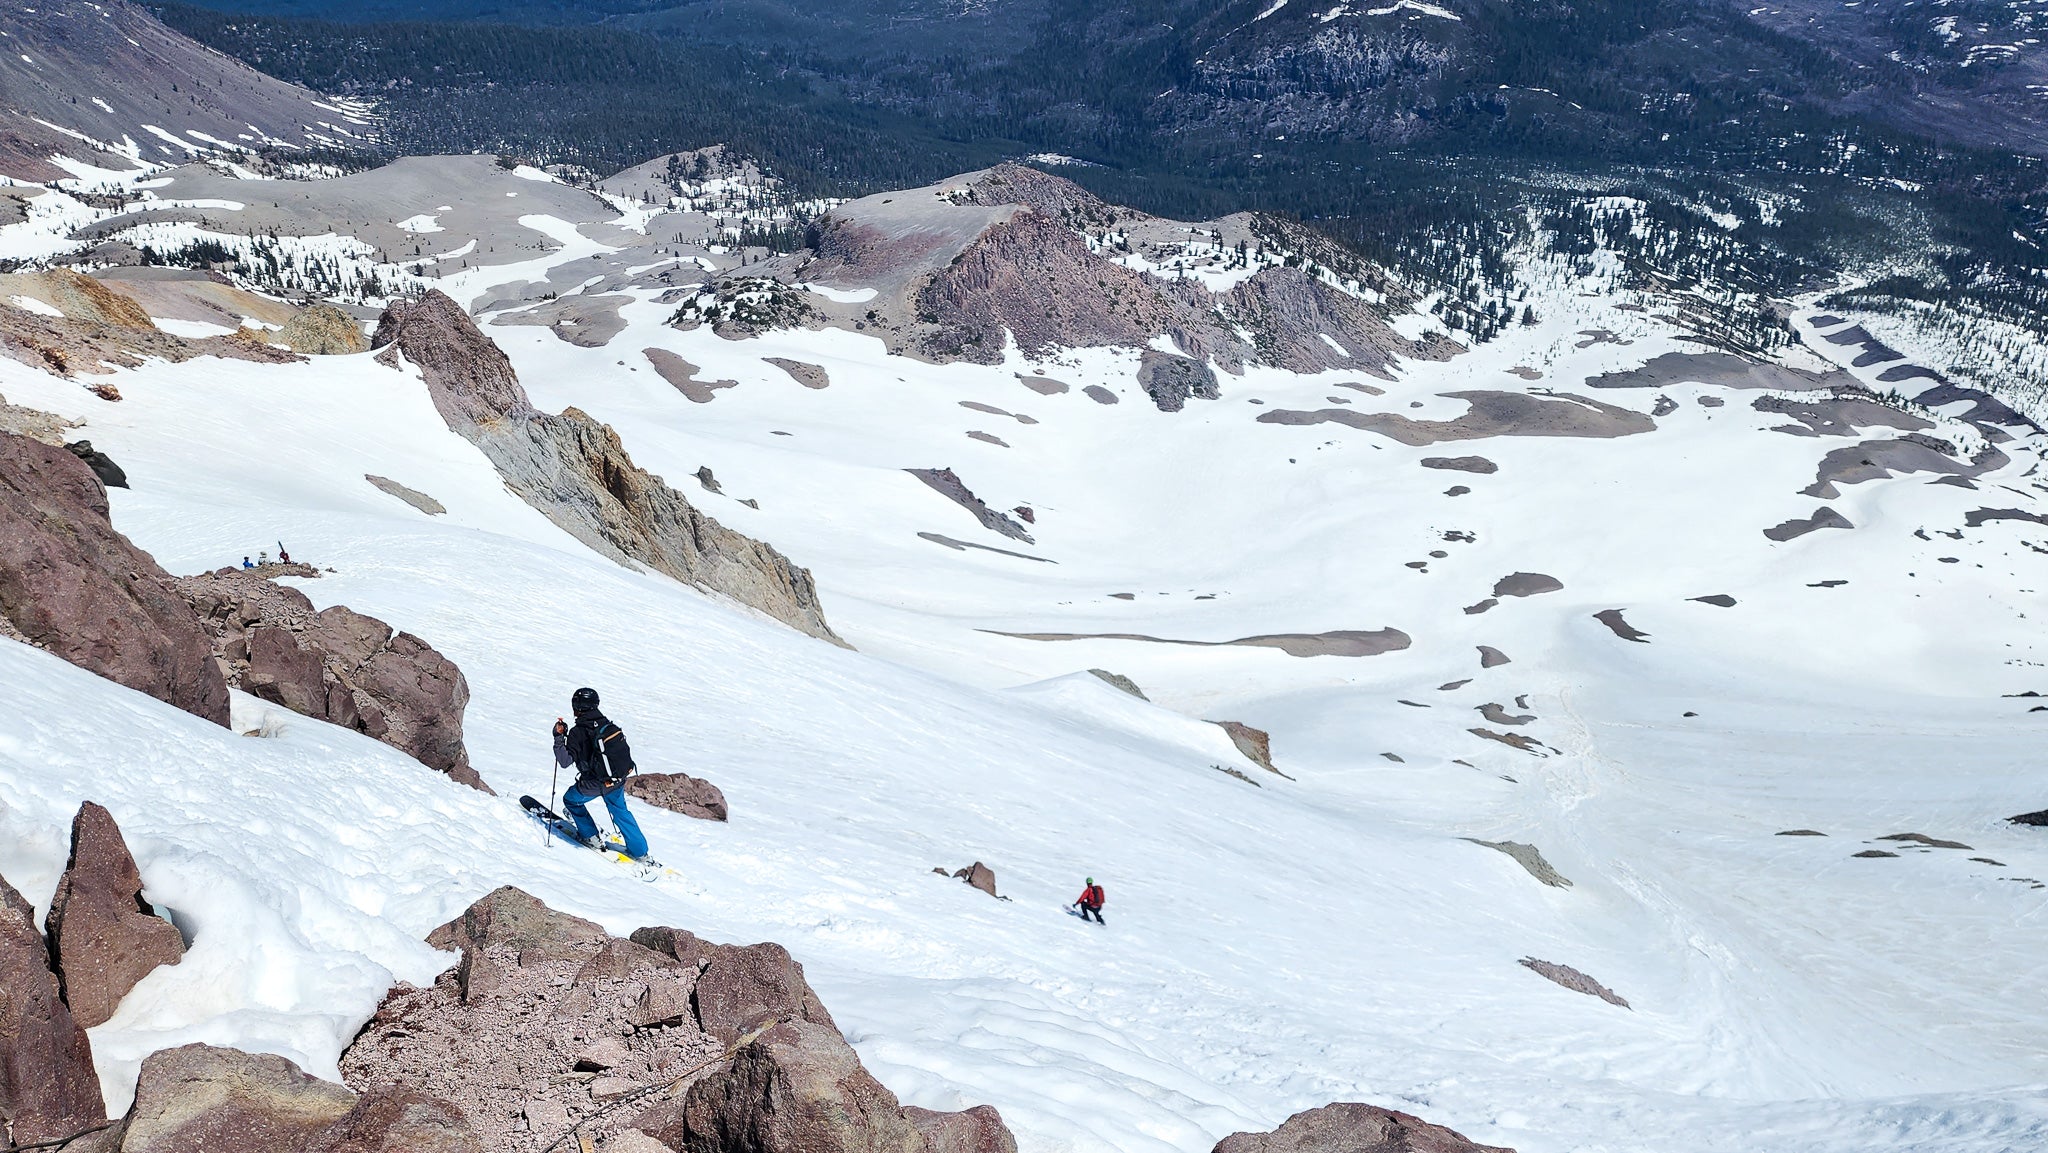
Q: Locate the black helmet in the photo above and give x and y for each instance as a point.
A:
(584, 701)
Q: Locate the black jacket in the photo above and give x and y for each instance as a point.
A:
(599, 751)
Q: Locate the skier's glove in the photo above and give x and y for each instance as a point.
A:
(561, 731)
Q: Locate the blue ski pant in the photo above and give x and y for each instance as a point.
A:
(615, 802)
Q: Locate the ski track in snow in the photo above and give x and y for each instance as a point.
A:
(1328, 938)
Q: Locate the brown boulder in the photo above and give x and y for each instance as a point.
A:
(336, 665)
(679, 793)
(980, 876)
(72, 585)
(976, 1130)
(799, 1089)
(747, 984)
(102, 933)
(201, 1098)
(1351, 1127)
(47, 1085)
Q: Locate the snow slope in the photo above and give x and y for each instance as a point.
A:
(1270, 948)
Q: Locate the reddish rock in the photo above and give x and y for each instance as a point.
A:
(72, 585)
(1351, 1127)
(799, 1089)
(976, 1130)
(746, 984)
(336, 665)
(679, 793)
(102, 933)
(47, 1085)
(508, 927)
(202, 1098)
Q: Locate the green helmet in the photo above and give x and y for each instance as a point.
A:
(1091, 880)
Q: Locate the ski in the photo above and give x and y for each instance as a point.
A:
(646, 868)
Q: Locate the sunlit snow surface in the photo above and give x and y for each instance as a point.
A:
(1269, 949)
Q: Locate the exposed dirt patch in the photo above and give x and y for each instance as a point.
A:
(1823, 517)
(1574, 980)
(1613, 620)
(683, 375)
(1530, 858)
(804, 373)
(1341, 643)
(1490, 414)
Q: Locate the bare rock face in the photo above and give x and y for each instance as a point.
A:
(1119, 682)
(1297, 317)
(616, 1016)
(1170, 380)
(679, 793)
(976, 1130)
(575, 471)
(48, 1088)
(105, 334)
(102, 934)
(1351, 1127)
(1574, 980)
(72, 585)
(335, 665)
(322, 330)
(948, 484)
(1255, 744)
(199, 1097)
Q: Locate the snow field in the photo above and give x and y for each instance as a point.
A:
(1269, 949)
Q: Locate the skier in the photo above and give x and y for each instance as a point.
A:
(247, 563)
(1091, 902)
(598, 749)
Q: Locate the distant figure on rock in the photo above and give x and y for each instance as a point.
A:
(603, 761)
(1091, 902)
(247, 563)
(283, 557)
(263, 558)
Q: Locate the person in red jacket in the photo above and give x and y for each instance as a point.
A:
(1091, 902)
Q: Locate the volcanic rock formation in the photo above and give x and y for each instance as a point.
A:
(102, 933)
(576, 473)
(72, 585)
(335, 665)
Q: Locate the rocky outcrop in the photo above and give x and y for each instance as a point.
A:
(1351, 1127)
(979, 876)
(202, 1098)
(67, 346)
(1255, 744)
(335, 665)
(948, 484)
(1015, 278)
(1170, 380)
(102, 933)
(321, 329)
(976, 1130)
(48, 1088)
(72, 585)
(575, 471)
(1574, 980)
(1302, 324)
(111, 475)
(1119, 682)
(630, 1024)
(618, 1020)
(798, 1088)
(679, 793)
(34, 423)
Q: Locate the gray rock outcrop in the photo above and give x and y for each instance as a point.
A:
(976, 1130)
(48, 1089)
(948, 484)
(679, 793)
(575, 471)
(72, 585)
(102, 934)
(202, 1098)
(1574, 980)
(335, 665)
(1352, 1127)
(1170, 380)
